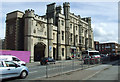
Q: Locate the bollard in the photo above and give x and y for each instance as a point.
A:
(46, 71)
(88, 62)
(93, 61)
(73, 64)
(82, 64)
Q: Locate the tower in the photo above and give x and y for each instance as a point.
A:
(51, 12)
(14, 39)
(28, 32)
(66, 7)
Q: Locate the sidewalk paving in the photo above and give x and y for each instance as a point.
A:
(76, 75)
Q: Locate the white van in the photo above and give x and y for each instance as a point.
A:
(91, 56)
(91, 53)
(11, 58)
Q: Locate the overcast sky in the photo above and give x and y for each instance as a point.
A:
(104, 16)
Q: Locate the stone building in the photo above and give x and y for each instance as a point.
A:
(55, 34)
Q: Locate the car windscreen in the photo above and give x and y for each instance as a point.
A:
(15, 59)
(94, 53)
(50, 59)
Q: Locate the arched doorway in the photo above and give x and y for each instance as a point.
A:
(39, 51)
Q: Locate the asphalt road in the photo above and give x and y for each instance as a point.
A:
(51, 70)
(110, 74)
(37, 72)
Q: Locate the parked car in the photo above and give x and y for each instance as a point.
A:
(11, 58)
(104, 58)
(9, 69)
(69, 58)
(47, 60)
(94, 59)
(103, 55)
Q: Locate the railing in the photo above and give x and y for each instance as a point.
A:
(70, 65)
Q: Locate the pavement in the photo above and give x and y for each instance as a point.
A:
(81, 74)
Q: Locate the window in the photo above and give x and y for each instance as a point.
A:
(76, 27)
(1, 64)
(82, 30)
(83, 40)
(80, 39)
(62, 51)
(10, 64)
(62, 35)
(71, 26)
(71, 37)
(53, 36)
(97, 47)
(113, 45)
(76, 38)
(102, 46)
(62, 23)
(15, 59)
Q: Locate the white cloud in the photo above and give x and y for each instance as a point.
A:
(103, 34)
(61, 0)
(104, 16)
(2, 31)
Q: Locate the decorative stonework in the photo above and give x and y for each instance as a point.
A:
(40, 26)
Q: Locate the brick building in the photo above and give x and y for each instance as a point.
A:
(110, 48)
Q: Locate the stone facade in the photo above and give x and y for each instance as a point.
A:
(55, 34)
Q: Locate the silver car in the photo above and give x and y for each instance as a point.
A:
(10, 69)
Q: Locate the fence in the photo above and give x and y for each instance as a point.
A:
(69, 66)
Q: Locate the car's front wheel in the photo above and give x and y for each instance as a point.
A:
(23, 74)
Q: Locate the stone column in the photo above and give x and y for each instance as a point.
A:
(50, 37)
(59, 41)
(66, 7)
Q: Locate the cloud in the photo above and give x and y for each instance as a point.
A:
(104, 15)
(103, 34)
(104, 12)
(2, 31)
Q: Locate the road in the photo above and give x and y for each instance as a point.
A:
(108, 74)
(38, 72)
(51, 70)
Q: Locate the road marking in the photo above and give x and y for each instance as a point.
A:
(33, 72)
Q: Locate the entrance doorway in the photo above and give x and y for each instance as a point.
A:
(39, 51)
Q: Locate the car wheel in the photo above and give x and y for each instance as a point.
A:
(23, 74)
